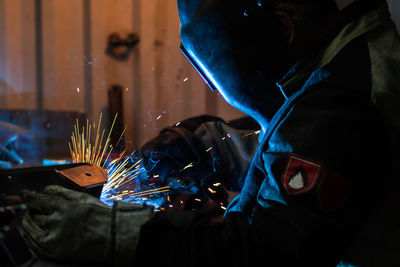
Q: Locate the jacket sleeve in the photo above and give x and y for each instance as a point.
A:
(336, 126)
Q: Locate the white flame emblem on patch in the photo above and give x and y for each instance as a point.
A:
(297, 181)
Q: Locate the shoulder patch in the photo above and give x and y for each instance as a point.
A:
(300, 174)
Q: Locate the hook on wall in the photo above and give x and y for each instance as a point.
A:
(119, 48)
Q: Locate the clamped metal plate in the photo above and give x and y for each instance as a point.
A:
(81, 177)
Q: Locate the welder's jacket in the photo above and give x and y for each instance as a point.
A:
(321, 168)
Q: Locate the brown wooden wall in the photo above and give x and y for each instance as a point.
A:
(52, 57)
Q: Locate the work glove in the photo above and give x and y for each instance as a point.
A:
(73, 227)
(205, 148)
(177, 151)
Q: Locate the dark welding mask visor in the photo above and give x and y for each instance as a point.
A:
(197, 68)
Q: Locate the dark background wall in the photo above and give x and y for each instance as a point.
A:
(52, 57)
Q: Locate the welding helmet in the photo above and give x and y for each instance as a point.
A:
(237, 47)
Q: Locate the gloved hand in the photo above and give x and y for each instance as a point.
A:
(74, 227)
(203, 148)
(177, 151)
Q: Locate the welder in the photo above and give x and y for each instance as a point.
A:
(321, 79)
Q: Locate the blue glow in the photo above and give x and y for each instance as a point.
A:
(345, 264)
(5, 164)
(53, 162)
(129, 186)
(204, 72)
(11, 140)
(154, 202)
(282, 91)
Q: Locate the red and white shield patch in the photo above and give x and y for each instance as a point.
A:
(300, 174)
